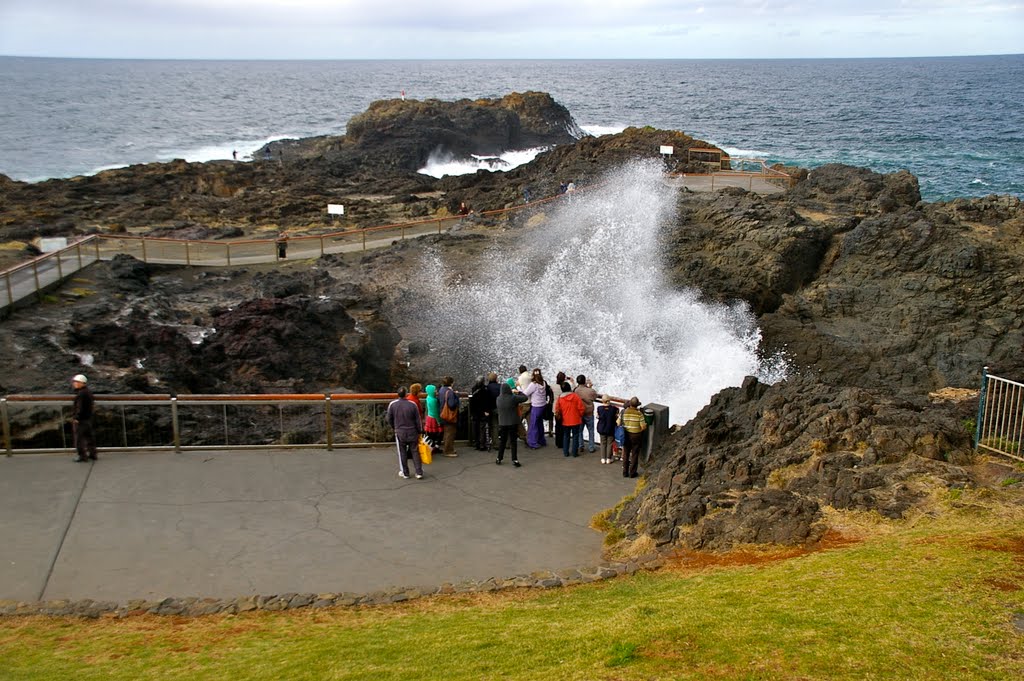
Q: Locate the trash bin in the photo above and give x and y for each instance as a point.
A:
(656, 416)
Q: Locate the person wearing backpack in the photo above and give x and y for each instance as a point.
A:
(607, 415)
(449, 401)
(633, 421)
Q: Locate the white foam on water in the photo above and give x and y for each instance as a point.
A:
(585, 292)
(440, 164)
(736, 152)
(219, 152)
(599, 130)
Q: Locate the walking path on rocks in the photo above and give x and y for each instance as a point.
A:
(226, 524)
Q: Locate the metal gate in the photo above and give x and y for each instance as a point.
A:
(1000, 416)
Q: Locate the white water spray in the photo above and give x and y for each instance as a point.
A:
(585, 293)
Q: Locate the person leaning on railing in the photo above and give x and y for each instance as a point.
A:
(633, 421)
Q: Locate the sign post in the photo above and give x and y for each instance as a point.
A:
(667, 151)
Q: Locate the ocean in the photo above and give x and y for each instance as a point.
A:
(955, 122)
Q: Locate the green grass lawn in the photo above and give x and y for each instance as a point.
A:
(934, 597)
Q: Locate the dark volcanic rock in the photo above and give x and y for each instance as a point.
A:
(129, 274)
(839, 185)
(736, 245)
(756, 463)
(912, 299)
(296, 344)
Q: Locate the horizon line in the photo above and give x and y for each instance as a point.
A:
(462, 59)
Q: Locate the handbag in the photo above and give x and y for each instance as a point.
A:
(448, 413)
(425, 451)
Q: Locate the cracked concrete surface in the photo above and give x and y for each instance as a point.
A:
(234, 523)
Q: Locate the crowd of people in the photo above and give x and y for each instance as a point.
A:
(523, 408)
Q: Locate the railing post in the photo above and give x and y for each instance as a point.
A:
(10, 291)
(144, 259)
(60, 267)
(124, 429)
(35, 274)
(97, 242)
(364, 239)
(227, 249)
(78, 249)
(328, 422)
(439, 226)
(321, 246)
(175, 428)
(188, 258)
(7, 426)
(981, 406)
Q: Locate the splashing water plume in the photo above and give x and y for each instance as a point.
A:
(585, 293)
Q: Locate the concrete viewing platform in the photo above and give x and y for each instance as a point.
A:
(233, 523)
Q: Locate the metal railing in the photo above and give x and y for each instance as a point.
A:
(35, 276)
(1000, 423)
(40, 423)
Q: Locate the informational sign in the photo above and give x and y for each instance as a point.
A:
(335, 209)
(51, 244)
(667, 150)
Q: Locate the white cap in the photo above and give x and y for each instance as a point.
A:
(79, 378)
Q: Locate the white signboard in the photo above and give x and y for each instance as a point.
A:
(52, 244)
(335, 209)
(667, 150)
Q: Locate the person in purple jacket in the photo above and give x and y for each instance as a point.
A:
(536, 391)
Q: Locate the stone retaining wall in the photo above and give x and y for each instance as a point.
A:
(194, 607)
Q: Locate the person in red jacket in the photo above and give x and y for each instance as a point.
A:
(570, 408)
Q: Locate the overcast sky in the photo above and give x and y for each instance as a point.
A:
(538, 29)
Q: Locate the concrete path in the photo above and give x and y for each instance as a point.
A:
(225, 524)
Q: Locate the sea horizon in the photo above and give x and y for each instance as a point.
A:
(953, 121)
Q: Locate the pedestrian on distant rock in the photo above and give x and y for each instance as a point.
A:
(570, 407)
(432, 428)
(404, 417)
(464, 209)
(537, 392)
(587, 393)
(234, 155)
(447, 396)
(607, 415)
(508, 421)
(282, 246)
(81, 420)
(635, 424)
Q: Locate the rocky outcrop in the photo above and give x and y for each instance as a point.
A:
(918, 298)
(758, 463)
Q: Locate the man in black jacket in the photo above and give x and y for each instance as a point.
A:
(81, 420)
(508, 421)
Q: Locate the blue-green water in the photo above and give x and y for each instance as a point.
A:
(956, 122)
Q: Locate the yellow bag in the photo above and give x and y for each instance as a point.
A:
(425, 451)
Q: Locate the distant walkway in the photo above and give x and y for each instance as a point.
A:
(36, 276)
(225, 524)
